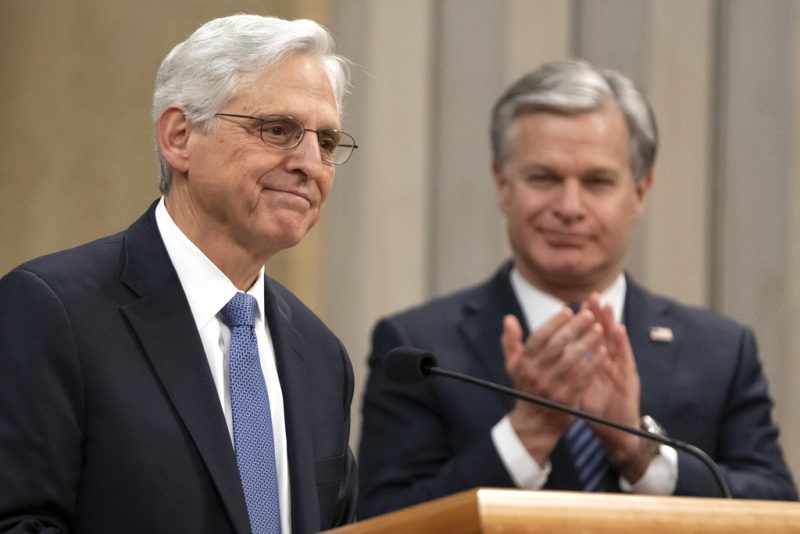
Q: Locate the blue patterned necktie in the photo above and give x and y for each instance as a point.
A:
(591, 461)
(252, 422)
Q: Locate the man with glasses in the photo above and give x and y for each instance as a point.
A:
(157, 380)
(574, 148)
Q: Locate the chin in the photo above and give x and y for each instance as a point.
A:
(569, 272)
(288, 240)
(292, 229)
(560, 260)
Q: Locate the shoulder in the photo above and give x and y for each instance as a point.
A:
(100, 256)
(82, 266)
(289, 303)
(445, 308)
(698, 328)
(301, 318)
(702, 318)
(457, 304)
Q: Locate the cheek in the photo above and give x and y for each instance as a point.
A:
(617, 223)
(325, 185)
(523, 219)
(527, 208)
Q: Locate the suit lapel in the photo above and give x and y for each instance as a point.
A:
(482, 325)
(289, 348)
(162, 320)
(656, 339)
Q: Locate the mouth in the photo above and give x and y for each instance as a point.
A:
(291, 193)
(560, 238)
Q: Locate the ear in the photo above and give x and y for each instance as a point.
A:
(502, 186)
(642, 188)
(173, 137)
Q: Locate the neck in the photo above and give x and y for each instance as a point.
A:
(233, 258)
(570, 289)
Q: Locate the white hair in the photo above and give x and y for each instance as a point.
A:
(223, 55)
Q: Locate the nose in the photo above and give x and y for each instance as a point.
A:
(569, 204)
(307, 154)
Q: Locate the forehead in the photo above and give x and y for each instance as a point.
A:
(297, 85)
(602, 132)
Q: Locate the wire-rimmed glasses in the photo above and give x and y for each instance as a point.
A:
(286, 132)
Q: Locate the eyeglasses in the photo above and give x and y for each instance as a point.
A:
(285, 132)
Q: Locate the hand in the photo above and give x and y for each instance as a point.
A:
(551, 363)
(614, 393)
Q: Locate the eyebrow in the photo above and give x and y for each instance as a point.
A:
(264, 116)
(539, 167)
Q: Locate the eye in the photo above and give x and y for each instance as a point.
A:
(540, 179)
(599, 182)
(328, 141)
(280, 131)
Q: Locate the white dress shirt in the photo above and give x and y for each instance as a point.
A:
(538, 307)
(208, 290)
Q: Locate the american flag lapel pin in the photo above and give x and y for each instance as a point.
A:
(661, 334)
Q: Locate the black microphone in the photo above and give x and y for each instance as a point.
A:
(407, 365)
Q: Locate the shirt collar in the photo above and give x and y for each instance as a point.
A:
(538, 306)
(206, 287)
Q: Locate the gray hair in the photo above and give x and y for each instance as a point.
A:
(221, 57)
(572, 87)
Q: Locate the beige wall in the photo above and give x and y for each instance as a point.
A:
(720, 231)
(412, 214)
(77, 157)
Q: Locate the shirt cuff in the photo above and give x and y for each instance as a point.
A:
(660, 477)
(523, 469)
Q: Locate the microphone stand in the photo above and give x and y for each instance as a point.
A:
(690, 449)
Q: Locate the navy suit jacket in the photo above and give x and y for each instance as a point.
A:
(432, 439)
(109, 418)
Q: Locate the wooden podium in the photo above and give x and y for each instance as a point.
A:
(562, 512)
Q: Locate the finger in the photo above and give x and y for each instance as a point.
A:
(593, 303)
(579, 352)
(604, 313)
(603, 366)
(573, 385)
(622, 346)
(537, 372)
(584, 346)
(511, 341)
(567, 335)
(541, 336)
(595, 381)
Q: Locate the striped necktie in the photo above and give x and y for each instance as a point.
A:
(588, 455)
(252, 422)
(591, 462)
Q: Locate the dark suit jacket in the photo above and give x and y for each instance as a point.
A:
(432, 439)
(109, 419)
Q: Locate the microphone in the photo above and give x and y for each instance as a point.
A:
(407, 365)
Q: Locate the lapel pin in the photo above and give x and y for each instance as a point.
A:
(661, 334)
